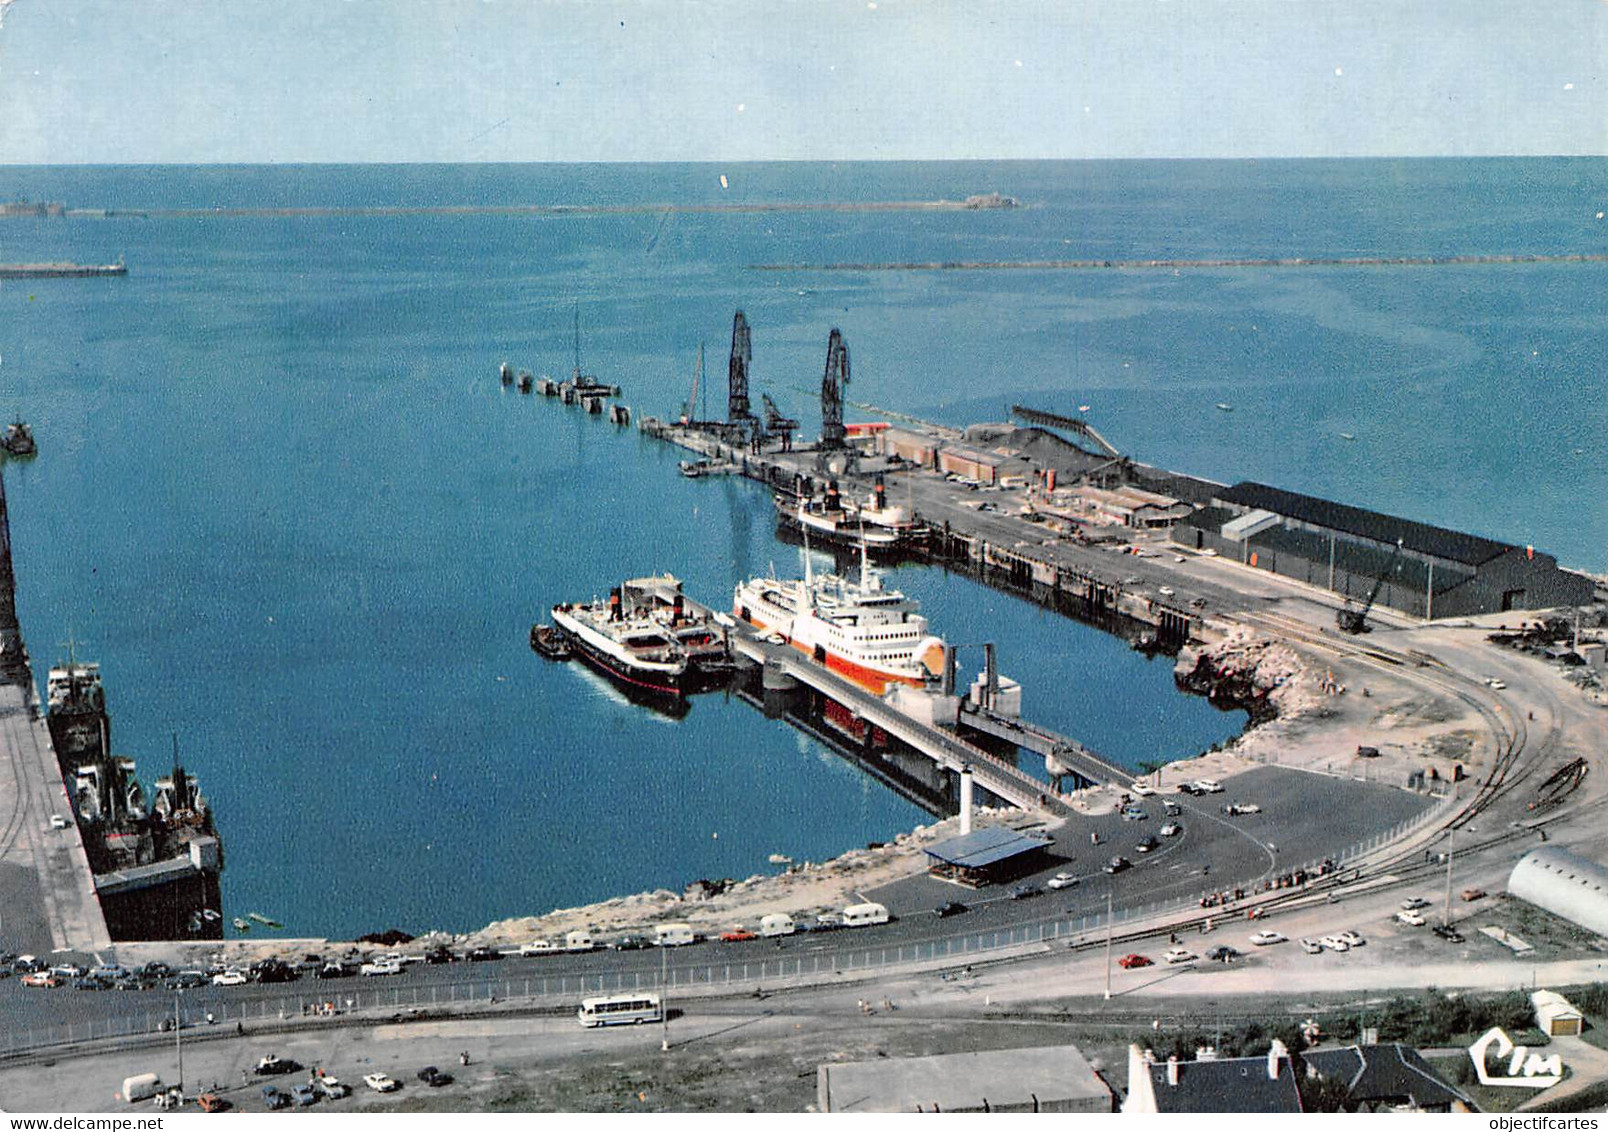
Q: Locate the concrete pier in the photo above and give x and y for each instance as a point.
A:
(47, 893)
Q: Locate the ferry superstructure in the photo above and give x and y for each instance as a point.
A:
(645, 637)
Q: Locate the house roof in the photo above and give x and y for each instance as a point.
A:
(1382, 1073)
(987, 846)
(1006, 1078)
(1437, 542)
(1232, 1084)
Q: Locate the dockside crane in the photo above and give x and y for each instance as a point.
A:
(738, 412)
(1356, 620)
(834, 383)
(777, 424)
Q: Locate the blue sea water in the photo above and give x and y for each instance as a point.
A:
(283, 500)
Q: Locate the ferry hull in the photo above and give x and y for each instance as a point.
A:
(648, 683)
(873, 680)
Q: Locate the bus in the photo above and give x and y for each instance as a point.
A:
(620, 1009)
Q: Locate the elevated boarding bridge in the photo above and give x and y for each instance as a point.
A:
(1084, 765)
(991, 772)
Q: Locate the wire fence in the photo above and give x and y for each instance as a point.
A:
(206, 1008)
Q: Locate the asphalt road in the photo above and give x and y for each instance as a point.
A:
(1303, 818)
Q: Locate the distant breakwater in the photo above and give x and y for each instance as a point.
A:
(539, 209)
(1140, 264)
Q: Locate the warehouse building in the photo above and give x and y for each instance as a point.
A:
(1421, 570)
(1568, 886)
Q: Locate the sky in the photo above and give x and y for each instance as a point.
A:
(170, 81)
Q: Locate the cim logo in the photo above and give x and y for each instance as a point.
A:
(1525, 1070)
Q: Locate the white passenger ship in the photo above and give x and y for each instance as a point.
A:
(873, 636)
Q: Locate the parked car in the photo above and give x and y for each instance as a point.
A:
(1147, 844)
(1473, 894)
(1411, 919)
(230, 979)
(1413, 903)
(380, 1083)
(1209, 786)
(1223, 954)
(480, 955)
(631, 943)
(1142, 788)
(1190, 788)
(41, 979)
(273, 1099)
(1352, 938)
(1267, 936)
(1180, 955)
(538, 947)
(1233, 809)
(331, 1088)
(1171, 829)
(1311, 947)
(303, 1096)
(274, 1066)
(1166, 591)
(737, 935)
(440, 955)
(1171, 809)
(188, 980)
(1117, 864)
(1134, 813)
(1060, 881)
(433, 1077)
(1026, 891)
(1448, 933)
(1128, 962)
(1335, 943)
(68, 971)
(333, 971)
(949, 908)
(380, 967)
(211, 1102)
(57, 822)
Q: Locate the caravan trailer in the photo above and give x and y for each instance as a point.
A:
(673, 935)
(863, 915)
(579, 940)
(777, 923)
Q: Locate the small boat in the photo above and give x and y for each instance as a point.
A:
(18, 439)
(549, 642)
(1347, 436)
(210, 915)
(241, 925)
(779, 859)
(1225, 406)
(1083, 408)
(526, 382)
(506, 373)
(692, 469)
(263, 920)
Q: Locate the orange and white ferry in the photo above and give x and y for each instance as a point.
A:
(873, 636)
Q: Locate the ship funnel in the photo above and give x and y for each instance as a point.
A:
(834, 500)
(965, 800)
(614, 605)
(881, 495)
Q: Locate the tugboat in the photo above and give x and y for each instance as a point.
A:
(549, 642)
(18, 439)
(873, 523)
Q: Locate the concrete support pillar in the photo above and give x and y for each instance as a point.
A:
(965, 800)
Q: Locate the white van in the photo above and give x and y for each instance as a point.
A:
(862, 915)
(579, 940)
(672, 935)
(777, 923)
(141, 1087)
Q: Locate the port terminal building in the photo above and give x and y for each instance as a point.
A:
(991, 855)
(1421, 570)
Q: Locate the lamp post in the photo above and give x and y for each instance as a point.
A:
(1109, 888)
(664, 1004)
(1451, 843)
(178, 1035)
